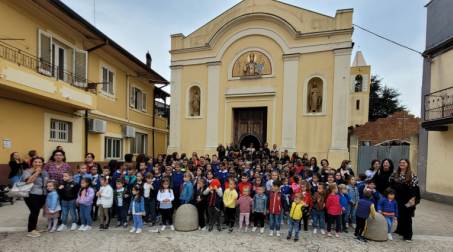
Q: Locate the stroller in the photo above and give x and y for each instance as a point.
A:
(4, 198)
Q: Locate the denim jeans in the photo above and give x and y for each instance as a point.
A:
(150, 209)
(68, 207)
(138, 221)
(274, 221)
(319, 219)
(85, 214)
(14, 179)
(294, 225)
(352, 211)
(389, 220)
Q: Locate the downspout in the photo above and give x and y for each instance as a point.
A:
(87, 123)
(154, 121)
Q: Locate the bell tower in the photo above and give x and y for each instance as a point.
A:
(359, 91)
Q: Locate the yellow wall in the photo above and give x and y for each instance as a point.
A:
(441, 74)
(438, 171)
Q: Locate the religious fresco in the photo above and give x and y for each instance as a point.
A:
(252, 64)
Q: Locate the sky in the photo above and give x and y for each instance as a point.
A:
(146, 25)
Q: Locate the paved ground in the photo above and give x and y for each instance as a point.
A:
(433, 232)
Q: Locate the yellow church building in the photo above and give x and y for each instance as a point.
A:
(65, 83)
(268, 72)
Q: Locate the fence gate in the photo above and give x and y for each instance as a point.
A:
(368, 153)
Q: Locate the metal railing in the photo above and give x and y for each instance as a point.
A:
(24, 59)
(439, 105)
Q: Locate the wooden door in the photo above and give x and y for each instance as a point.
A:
(250, 121)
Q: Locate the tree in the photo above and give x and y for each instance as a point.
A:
(383, 100)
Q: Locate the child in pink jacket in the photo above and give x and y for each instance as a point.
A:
(245, 205)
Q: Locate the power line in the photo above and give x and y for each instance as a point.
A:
(389, 40)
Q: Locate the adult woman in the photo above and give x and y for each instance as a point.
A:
(325, 170)
(89, 161)
(345, 169)
(17, 166)
(37, 195)
(405, 183)
(313, 165)
(57, 166)
(381, 178)
(375, 164)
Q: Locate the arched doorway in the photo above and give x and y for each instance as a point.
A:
(248, 139)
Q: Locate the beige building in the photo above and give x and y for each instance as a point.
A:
(266, 71)
(65, 83)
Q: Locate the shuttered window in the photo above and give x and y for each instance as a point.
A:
(45, 53)
(107, 81)
(138, 99)
(80, 68)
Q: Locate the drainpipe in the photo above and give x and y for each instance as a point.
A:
(154, 122)
(87, 123)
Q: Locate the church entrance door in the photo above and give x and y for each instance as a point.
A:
(249, 126)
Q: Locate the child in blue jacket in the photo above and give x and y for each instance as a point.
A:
(344, 202)
(137, 209)
(187, 189)
(389, 208)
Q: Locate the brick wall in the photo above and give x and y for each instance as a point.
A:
(400, 125)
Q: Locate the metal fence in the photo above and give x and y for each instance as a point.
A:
(368, 153)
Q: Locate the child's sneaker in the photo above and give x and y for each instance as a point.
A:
(288, 237)
(34, 234)
(271, 233)
(262, 230)
(390, 237)
(323, 232)
(278, 233)
(125, 225)
(87, 228)
(253, 229)
(329, 234)
(139, 230)
(353, 226)
(82, 228)
(347, 225)
(245, 229)
(73, 226)
(53, 230)
(296, 239)
(172, 228)
(163, 228)
(337, 235)
(133, 230)
(62, 227)
(204, 228)
(315, 231)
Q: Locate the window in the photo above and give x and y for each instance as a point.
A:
(113, 148)
(138, 99)
(56, 57)
(107, 81)
(60, 131)
(357, 104)
(139, 143)
(358, 84)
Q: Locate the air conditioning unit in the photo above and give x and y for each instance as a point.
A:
(97, 126)
(129, 131)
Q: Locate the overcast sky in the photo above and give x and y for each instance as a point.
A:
(142, 25)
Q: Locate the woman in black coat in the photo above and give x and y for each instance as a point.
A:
(382, 176)
(405, 184)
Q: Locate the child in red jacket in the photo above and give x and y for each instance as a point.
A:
(275, 208)
(333, 208)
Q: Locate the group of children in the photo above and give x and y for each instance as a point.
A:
(330, 201)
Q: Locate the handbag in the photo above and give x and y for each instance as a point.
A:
(20, 189)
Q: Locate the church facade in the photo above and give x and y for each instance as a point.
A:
(268, 72)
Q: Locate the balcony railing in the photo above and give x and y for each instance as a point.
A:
(439, 105)
(43, 67)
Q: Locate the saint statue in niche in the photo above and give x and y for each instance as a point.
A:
(195, 101)
(252, 64)
(315, 95)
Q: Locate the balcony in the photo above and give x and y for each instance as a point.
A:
(23, 73)
(438, 110)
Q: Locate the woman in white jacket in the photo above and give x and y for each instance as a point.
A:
(105, 202)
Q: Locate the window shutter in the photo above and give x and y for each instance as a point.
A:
(132, 97)
(143, 102)
(45, 53)
(80, 67)
(104, 79)
(110, 82)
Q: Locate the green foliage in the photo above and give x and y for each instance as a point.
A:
(383, 100)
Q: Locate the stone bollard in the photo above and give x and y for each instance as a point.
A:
(186, 218)
(376, 228)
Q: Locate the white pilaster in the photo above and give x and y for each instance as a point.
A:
(290, 80)
(175, 109)
(340, 113)
(212, 122)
